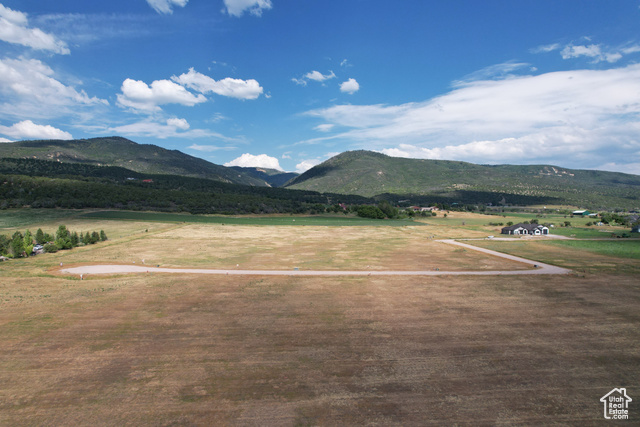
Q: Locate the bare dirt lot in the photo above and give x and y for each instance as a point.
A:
(242, 350)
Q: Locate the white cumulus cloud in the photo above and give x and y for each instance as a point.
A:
(140, 96)
(166, 6)
(234, 88)
(29, 86)
(318, 76)
(14, 29)
(178, 123)
(238, 7)
(171, 128)
(597, 52)
(351, 86)
(592, 51)
(314, 75)
(26, 129)
(260, 161)
(582, 117)
(305, 165)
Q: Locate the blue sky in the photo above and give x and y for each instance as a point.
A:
(289, 83)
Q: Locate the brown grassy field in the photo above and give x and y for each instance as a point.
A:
(278, 248)
(236, 350)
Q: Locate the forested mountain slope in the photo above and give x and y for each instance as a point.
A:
(47, 184)
(371, 174)
(117, 151)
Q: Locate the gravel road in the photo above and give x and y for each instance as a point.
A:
(540, 268)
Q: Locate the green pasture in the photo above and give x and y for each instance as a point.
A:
(594, 232)
(620, 248)
(21, 218)
(617, 256)
(336, 221)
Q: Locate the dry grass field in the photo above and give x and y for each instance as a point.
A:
(285, 248)
(239, 350)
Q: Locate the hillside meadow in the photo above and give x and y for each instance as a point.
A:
(250, 350)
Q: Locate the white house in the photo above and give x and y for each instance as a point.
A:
(529, 229)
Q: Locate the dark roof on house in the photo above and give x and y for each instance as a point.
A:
(528, 227)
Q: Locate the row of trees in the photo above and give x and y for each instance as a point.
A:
(22, 245)
(615, 218)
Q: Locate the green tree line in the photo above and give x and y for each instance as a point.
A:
(45, 184)
(22, 245)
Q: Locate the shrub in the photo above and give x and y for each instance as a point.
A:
(51, 248)
(367, 211)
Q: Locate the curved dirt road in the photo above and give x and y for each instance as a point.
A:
(539, 268)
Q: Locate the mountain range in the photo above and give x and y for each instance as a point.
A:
(363, 173)
(117, 151)
(371, 174)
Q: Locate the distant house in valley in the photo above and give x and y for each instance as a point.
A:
(147, 180)
(526, 229)
(581, 213)
(423, 209)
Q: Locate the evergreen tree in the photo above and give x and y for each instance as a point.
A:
(40, 237)
(103, 236)
(28, 243)
(17, 244)
(86, 239)
(5, 244)
(74, 239)
(95, 237)
(62, 232)
(389, 211)
(63, 238)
